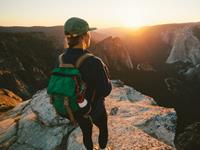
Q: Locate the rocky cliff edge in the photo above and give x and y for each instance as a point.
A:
(135, 123)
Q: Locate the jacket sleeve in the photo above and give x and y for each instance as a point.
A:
(101, 78)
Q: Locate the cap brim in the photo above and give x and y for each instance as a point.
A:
(91, 29)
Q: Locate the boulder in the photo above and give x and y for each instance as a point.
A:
(33, 125)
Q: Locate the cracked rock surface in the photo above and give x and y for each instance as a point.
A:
(135, 123)
(33, 125)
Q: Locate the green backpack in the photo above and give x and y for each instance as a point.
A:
(67, 89)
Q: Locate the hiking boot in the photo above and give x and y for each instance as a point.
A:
(96, 147)
(107, 148)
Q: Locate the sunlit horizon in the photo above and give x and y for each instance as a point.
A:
(100, 14)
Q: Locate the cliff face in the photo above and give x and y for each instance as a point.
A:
(185, 45)
(135, 122)
(8, 100)
(25, 62)
(114, 53)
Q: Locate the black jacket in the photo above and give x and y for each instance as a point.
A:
(95, 74)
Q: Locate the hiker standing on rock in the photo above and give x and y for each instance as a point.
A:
(94, 74)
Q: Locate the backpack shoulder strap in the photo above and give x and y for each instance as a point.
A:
(60, 58)
(82, 58)
(61, 64)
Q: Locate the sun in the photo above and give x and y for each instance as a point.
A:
(133, 23)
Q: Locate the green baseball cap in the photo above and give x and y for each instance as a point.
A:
(76, 26)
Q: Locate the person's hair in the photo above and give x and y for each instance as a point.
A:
(73, 41)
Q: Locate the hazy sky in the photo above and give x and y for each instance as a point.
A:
(99, 13)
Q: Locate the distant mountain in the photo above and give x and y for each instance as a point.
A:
(128, 53)
(157, 45)
(116, 31)
(55, 32)
(123, 31)
(97, 37)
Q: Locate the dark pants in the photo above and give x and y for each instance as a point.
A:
(86, 126)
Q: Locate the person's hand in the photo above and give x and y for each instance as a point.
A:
(87, 115)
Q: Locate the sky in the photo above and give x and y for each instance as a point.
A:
(98, 13)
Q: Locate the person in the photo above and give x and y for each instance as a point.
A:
(95, 74)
